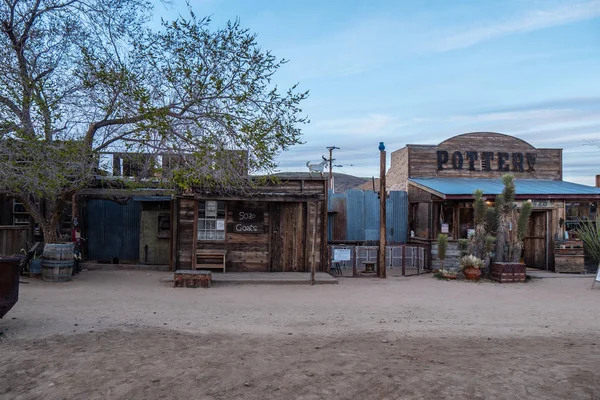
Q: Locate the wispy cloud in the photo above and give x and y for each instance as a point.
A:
(531, 21)
(369, 124)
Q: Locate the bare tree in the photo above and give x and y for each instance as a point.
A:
(80, 78)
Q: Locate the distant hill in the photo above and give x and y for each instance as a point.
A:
(343, 182)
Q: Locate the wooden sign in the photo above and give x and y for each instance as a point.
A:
(514, 162)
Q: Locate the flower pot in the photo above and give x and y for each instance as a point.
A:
(35, 268)
(472, 273)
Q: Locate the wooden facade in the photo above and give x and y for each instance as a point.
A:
(480, 155)
(483, 155)
(276, 228)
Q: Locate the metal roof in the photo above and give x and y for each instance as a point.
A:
(461, 187)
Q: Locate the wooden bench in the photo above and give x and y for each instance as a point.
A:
(212, 256)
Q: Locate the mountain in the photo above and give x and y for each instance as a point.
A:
(343, 182)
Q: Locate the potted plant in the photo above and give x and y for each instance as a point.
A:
(507, 263)
(442, 247)
(471, 266)
(448, 273)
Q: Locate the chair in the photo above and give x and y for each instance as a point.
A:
(335, 267)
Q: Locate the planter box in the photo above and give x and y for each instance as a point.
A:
(505, 272)
(569, 257)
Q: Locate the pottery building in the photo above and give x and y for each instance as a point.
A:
(440, 181)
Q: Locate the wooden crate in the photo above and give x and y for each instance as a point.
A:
(569, 257)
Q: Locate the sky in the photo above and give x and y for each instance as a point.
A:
(421, 71)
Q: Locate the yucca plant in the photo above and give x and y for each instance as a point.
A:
(589, 232)
(442, 242)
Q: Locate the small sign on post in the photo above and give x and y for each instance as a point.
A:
(341, 254)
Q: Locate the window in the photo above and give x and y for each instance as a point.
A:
(164, 225)
(211, 220)
(579, 211)
(466, 219)
(446, 219)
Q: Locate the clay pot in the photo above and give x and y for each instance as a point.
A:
(472, 273)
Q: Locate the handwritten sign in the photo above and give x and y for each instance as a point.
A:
(248, 215)
(341, 254)
(247, 227)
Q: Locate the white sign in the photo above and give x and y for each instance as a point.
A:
(444, 228)
(341, 254)
(220, 224)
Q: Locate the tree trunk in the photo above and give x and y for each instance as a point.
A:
(48, 222)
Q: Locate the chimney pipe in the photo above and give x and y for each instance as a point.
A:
(598, 181)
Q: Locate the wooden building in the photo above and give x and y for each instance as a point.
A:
(440, 181)
(274, 227)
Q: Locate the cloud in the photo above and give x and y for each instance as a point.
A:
(531, 21)
(369, 124)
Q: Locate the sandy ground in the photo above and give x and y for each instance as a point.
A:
(123, 334)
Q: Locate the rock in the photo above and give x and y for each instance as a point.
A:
(384, 341)
(246, 384)
(155, 380)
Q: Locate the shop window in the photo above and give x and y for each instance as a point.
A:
(577, 211)
(466, 220)
(211, 220)
(446, 219)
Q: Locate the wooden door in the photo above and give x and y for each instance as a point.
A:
(287, 237)
(535, 241)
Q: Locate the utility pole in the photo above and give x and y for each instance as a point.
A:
(331, 149)
(382, 212)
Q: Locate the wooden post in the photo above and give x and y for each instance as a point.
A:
(403, 260)
(174, 234)
(382, 212)
(314, 239)
(324, 238)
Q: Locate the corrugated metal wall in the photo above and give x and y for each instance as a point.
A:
(397, 217)
(113, 230)
(358, 212)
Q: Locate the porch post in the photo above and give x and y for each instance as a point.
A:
(381, 271)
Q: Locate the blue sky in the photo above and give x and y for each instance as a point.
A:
(418, 72)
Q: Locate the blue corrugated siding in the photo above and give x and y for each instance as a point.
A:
(355, 205)
(113, 230)
(362, 215)
(371, 212)
(397, 217)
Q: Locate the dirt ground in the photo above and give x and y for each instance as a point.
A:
(123, 334)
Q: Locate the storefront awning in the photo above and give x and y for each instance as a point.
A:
(463, 188)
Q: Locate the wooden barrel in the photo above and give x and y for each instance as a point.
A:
(9, 283)
(57, 262)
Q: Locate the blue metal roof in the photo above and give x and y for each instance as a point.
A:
(151, 198)
(466, 186)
